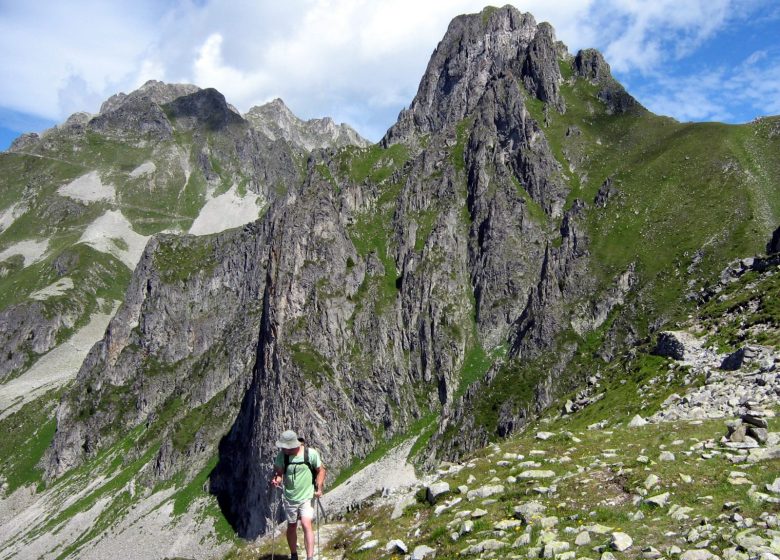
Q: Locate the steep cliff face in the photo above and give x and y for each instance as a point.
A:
(181, 345)
(389, 277)
(455, 279)
(475, 48)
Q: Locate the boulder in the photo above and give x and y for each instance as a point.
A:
(620, 541)
(396, 545)
(698, 554)
(673, 344)
(485, 491)
(658, 501)
(421, 552)
(436, 490)
(529, 510)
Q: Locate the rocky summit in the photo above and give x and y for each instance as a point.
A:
(534, 321)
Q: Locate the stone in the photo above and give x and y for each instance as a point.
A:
(679, 513)
(522, 540)
(637, 421)
(536, 474)
(699, 554)
(485, 491)
(659, 501)
(667, 456)
(651, 481)
(582, 539)
(492, 544)
(651, 553)
(544, 435)
(774, 488)
(529, 510)
(733, 361)
(670, 345)
(368, 545)
(620, 541)
(396, 545)
(607, 555)
(754, 420)
(466, 527)
(761, 435)
(551, 550)
(477, 513)
(436, 491)
(507, 524)
(422, 552)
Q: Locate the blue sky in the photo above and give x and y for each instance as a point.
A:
(360, 61)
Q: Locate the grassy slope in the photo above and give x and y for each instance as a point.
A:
(683, 189)
(602, 470)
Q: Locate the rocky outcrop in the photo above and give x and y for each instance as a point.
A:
(276, 121)
(182, 343)
(773, 246)
(476, 47)
(203, 108)
(28, 330)
(155, 91)
(590, 64)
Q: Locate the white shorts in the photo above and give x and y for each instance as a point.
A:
(293, 511)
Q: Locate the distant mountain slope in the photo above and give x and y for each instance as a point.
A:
(275, 120)
(523, 224)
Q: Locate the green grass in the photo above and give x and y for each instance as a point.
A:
(312, 364)
(457, 156)
(374, 164)
(27, 433)
(535, 211)
(178, 259)
(372, 233)
(422, 428)
(425, 222)
(203, 417)
(746, 311)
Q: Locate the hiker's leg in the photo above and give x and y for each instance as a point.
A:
(306, 515)
(292, 537)
(308, 536)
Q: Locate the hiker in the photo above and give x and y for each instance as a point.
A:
(300, 469)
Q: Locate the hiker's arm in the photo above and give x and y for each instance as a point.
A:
(319, 482)
(276, 479)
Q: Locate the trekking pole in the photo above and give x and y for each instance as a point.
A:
(321, 510)
(274, 511)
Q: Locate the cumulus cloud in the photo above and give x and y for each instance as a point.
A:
(724, 93)
(358, 61)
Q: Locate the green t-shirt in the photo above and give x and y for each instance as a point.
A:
(298, 484)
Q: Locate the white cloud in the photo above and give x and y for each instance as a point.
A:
(358, 61)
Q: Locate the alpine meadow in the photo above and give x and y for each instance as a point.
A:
(535, 320)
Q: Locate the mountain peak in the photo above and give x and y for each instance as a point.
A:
(276, 120)
(475, 49)
(156, 91)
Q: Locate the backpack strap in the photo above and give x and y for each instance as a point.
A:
(306, 462)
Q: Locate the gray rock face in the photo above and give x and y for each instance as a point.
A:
(590, 64)
(474, 49)
(206, 106)
(301, 321)
(164, 356)
(155, 91)
(276, 121)
(28, 330)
